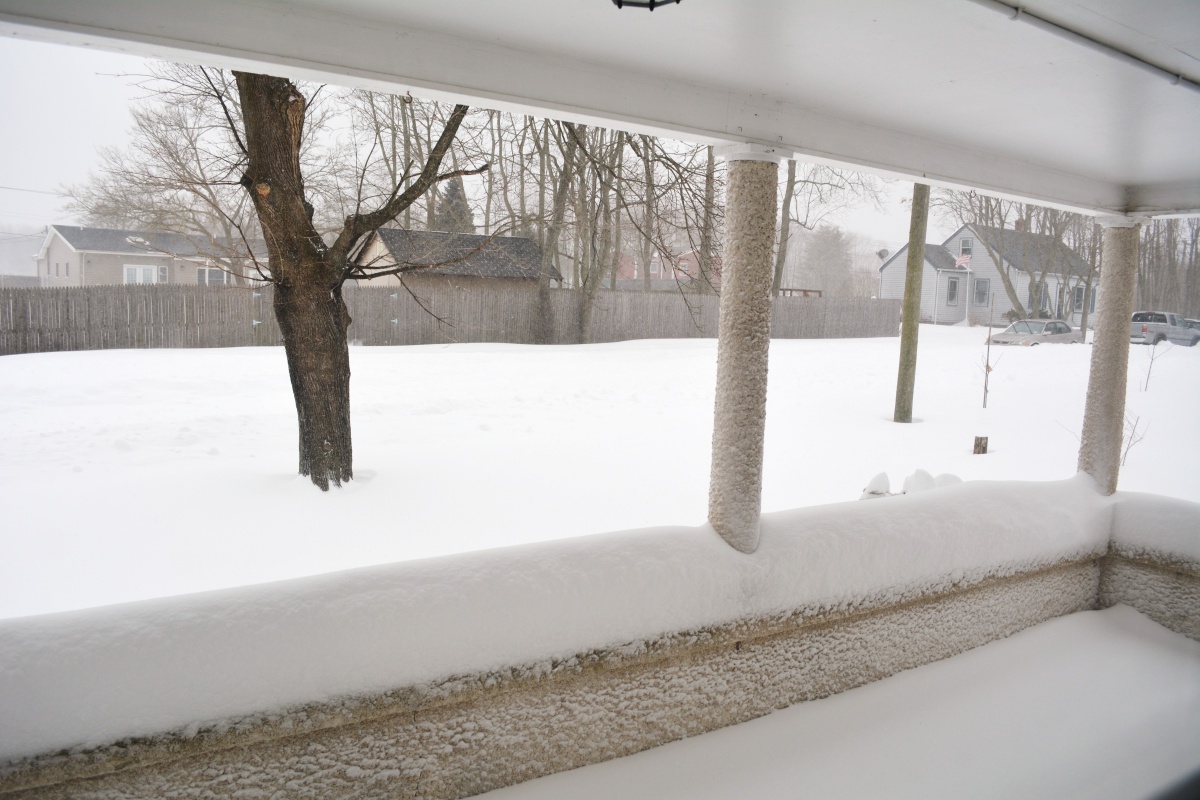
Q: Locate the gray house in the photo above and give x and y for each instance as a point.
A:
(452, 259)
(71, 255)
(961, 279)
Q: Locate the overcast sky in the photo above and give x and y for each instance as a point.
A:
(61, 104)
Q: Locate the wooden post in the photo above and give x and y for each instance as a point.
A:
(906, 380)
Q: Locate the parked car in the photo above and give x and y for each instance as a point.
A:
(1153, 327)
(1031, 332)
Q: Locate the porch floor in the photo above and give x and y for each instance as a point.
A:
(1099, 704)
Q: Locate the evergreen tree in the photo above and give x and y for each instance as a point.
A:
(454, 213)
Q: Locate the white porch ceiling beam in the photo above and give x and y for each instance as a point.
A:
(316, 44)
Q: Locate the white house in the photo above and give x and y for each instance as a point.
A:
(961, 279)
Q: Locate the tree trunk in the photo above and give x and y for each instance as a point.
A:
(553, 230)
(314, 321)
(707, 224)
(785, 227)
(649, 214)
(308, 301)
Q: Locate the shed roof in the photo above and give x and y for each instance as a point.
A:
(465, 254)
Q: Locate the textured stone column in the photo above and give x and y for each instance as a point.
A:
(1104, 414)
(744, 336)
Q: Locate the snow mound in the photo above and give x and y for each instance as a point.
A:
(89, 677)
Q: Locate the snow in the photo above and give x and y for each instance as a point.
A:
(473, 537)
(1096, 705)
(162, 472)
(94, 675)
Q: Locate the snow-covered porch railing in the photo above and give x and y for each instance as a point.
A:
(451, 676)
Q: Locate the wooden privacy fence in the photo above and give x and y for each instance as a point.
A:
(109, 317)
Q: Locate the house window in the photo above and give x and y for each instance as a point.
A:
(211, 276)
(56, 269)
(964, 247)
(135, 274)
(67, 269)
(952, 292)
(1078, 304)
(983, 291)
(1039, 297)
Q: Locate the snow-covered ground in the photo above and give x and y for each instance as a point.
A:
(1096, 705)
(134, 474)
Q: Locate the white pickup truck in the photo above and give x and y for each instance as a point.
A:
(1152, 327)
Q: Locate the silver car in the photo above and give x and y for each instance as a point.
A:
(1153, 327)
(1032, 332)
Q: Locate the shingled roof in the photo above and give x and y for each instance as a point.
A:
(936, 254)
(465, 254)
(114, 240)
(940, 257)
(1032, 252)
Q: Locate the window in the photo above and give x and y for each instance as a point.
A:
(135, 274)
(983, 291)
(1149, 316)
(67, 269)
(1077, 300)
(952, 292)
(56, 269)
(211, 276)
(964, 247)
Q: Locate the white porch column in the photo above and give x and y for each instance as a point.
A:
(1104, 413)
(744, 336)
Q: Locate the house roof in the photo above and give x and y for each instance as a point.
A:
(937, 255)
(1031, 252)
(465, 254)
(115, 240)
(940, 257)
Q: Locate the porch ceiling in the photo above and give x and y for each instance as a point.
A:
(948, 91)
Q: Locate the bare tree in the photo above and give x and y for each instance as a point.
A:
(1168, 270)
(308, 274)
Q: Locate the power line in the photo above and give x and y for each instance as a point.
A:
(35, 191)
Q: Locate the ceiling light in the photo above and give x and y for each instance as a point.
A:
(650, 4)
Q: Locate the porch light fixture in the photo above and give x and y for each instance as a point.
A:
(648, 4)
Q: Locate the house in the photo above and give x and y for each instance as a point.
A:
(451, 259)
(667, 274)
(961, 279)
(72, 255)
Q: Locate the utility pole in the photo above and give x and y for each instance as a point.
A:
(906, 381)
